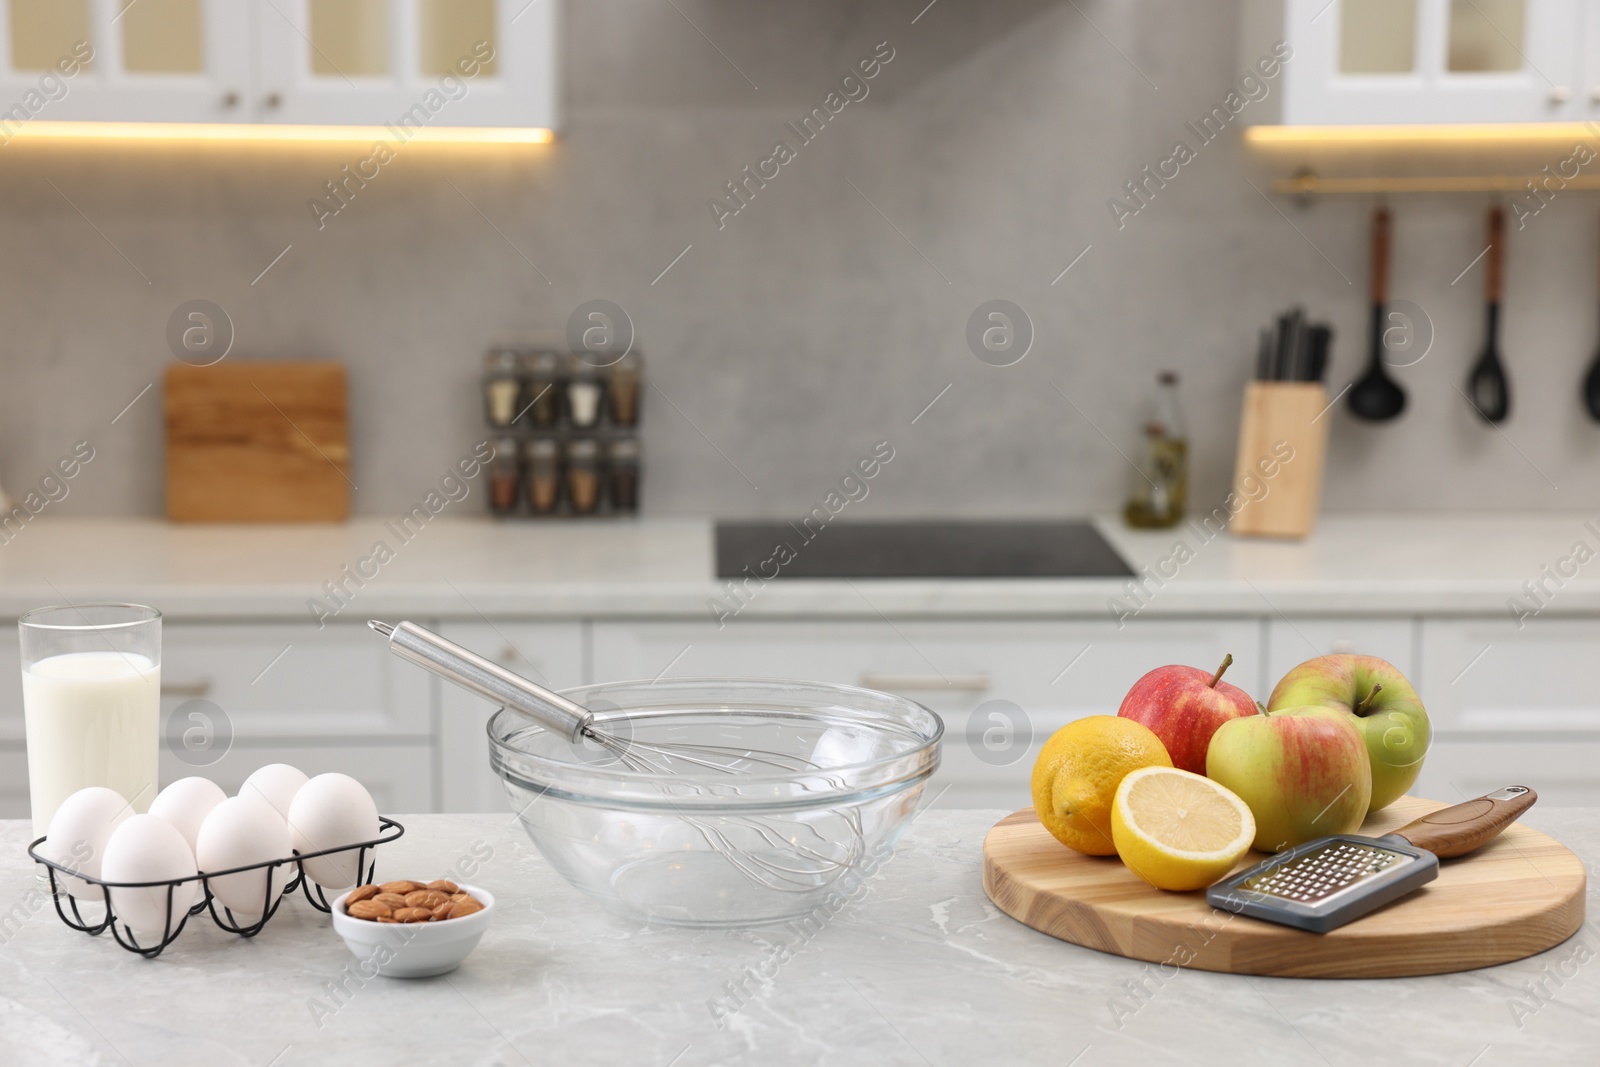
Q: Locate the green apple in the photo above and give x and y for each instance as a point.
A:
(1384, 706)
(1303, 772)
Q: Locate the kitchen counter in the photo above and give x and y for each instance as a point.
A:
(921, 969)
(457, 567)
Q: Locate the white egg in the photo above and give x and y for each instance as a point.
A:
(78, 834)
(332, 810)
(276, 783)
(147, 849)
(240, 831)
(186, 803)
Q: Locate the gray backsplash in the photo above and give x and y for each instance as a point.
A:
(828, 313)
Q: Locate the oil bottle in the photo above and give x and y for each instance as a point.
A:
(1160, 489)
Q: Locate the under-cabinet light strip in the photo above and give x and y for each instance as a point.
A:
(245, 132)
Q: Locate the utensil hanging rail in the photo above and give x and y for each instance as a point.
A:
(1312, 185)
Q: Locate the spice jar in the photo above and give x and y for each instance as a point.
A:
(501, 386)
(543, 457)
(583, 475)
(503, 477)
(622, 387)
(583, 391)
(622, 470)
(541, 387)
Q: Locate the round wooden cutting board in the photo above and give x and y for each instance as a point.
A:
(1522, 893)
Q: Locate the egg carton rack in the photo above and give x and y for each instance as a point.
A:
(365, 869)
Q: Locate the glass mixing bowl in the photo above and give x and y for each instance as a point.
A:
(765, 800)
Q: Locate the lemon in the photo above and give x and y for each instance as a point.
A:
(1178, 830)
(1076, 775)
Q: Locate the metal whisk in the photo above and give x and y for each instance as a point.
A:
(785, 863)
(566, 719)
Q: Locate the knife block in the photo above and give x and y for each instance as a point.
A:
(1277, 474)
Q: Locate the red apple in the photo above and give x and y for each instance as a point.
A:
(1303, 772)
(1184, 706)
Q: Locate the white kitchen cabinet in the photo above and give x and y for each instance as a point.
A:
(1359, 62)
(318, 62)
(14, 782)
(292, 682)
(111, 61)
(10, 686)
(404, 62)
(1002, 687)
(1563, 770)
(1486, 678)
(550, 653)
(1292, 641)
(400, 777)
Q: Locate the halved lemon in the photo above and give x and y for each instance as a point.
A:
(1178, 830)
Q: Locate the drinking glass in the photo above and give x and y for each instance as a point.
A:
(91, 702)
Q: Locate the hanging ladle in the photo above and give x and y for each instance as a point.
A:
(1591, 388)
(1487, 388)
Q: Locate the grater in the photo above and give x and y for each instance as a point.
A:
(1323, 884)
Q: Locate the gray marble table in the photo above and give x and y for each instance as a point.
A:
(922, 969)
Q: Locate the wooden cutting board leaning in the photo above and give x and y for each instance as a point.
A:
(257, 442)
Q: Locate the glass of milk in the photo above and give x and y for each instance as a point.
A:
(91, 699)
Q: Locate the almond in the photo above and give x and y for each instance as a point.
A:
(426, 898)
(462, 908)
(442, 912)
(413, 915)
(401, 887)
(393, 900)
(444, 885)
(368, 909)
(364, 892)
(396, 921)
(460, 896)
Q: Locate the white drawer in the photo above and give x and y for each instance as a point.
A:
(551, 654)
(1565, 772)
(1486, 678)
(288, 681)
(1052, 671)
(1290, 642)
(400, 777)
(10, 685)
(14, 802)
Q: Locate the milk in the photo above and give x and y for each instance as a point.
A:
(92, 718)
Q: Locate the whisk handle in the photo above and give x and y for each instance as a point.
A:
(485, 677)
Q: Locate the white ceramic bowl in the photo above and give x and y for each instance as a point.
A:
(413, 950)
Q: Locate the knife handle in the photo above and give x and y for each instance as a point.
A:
(1457, 830)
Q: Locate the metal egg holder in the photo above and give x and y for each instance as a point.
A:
(124, 935)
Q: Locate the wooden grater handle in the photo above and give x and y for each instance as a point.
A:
(1457, 830)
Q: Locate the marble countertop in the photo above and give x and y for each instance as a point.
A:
(922, 969)
(1369, 565)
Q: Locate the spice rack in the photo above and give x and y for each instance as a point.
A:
(565, 430)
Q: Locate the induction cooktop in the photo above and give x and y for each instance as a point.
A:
(933, 549)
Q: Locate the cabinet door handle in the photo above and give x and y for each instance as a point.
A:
(201, 688)
(1560, 94)
(230, 99)
(271, 100)
(899, 683)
